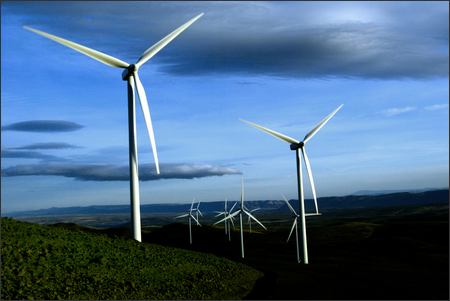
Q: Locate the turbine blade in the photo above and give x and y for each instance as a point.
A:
(292, 229)
(310, 176)
(151, 51)
(222, 213)
(198, 210)
(289, 205)
(228, 217)
(198, 204)
(256, 209)
(232, 222)
(233, 207)
(320, 125)
(96, 55)
(272, 132)
(192, 204)
(147, 118)
(312, 214)
(254, 218)
(183, 215)
(193, 217)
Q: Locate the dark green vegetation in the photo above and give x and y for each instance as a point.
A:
(42, 262)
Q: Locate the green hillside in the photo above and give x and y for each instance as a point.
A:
(41, 262)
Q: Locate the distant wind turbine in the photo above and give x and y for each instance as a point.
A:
(225, 213)
(190, 218)
(197, 211)
(295, 225)
(130, 74)
(249, 221)
(296, 145)
(241, 211)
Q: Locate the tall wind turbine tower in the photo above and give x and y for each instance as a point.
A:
(296, 146)
(130, 75)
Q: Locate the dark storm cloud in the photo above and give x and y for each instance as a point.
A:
(26, 155)
(43, 126)
(285, 39)
(118, 173)
(46, 145)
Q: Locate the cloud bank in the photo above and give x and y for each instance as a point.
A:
(46, 145)
(293, 39)
(26, 155)
(89, 172)
(288, 39)
(43, 126)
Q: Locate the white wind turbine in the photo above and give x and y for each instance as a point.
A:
(249, 221)
(190, 218)
(225, 213)
(296, 145)
(130, 74)
(295, 225)
(241, 211)
(197, 211)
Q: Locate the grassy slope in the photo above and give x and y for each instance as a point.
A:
(40, 262)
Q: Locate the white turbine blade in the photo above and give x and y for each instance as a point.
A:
(233, 207)
(147, 118)
(256, 209)
(242, 192)
(183, 215)
(228, 217)
(272, 132)
(292, 229)
(198, 224)
(232, 222)
(198, 204)
(221, 213)
(254, 218)
(226, 200)
(192, 204)
(312, 214)
(310, 176)
(320, 125)
(96, 55)
(198, 210)
(151, 51)
(289, 205)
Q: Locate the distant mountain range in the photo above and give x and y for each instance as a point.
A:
(325, 203)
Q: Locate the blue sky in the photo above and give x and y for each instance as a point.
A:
(284, 65)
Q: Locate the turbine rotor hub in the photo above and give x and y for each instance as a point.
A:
(129, 71)
(296, 146)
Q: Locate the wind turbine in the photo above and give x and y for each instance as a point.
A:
(191, 216)
(225, 213)
(130, 74)
(197, 211)
(249, 221)
(242, 210)
(296, 145)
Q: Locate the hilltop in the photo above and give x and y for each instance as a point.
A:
(48, 263)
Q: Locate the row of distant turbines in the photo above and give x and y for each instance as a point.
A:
(130, 75)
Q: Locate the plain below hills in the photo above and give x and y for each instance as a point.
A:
(325, 203)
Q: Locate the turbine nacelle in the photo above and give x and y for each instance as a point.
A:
(127, 72)
(296, 146)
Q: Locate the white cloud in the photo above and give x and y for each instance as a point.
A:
(441, 106)
(397, 111)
